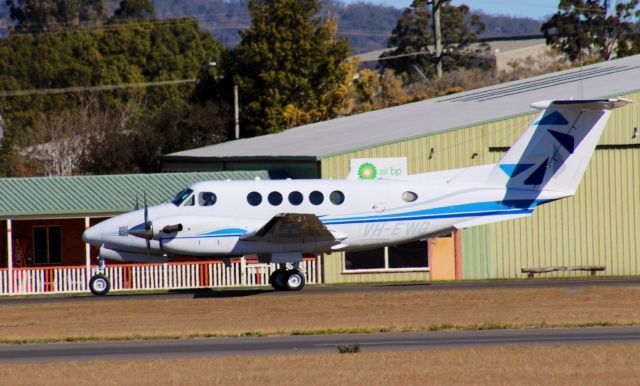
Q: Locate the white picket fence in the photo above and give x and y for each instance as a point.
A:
(140, 277)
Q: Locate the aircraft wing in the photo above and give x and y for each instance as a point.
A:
(291, 228)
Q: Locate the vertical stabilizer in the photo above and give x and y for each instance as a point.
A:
(553, 153)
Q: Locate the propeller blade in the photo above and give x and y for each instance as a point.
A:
(146, 210)
(147, 224)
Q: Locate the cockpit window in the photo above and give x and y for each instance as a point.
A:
(206, 199)
(182, 196)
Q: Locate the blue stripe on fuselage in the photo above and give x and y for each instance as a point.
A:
(490, 208)
(430, 217)
(480, 209)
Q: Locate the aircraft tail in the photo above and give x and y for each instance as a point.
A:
(553, 153)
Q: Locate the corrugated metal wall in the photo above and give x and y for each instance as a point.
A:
(600, 225)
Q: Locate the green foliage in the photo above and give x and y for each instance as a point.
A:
(413, 39)
(590, 27)
(52, 15)
(134, 52)
(364, 24)
(289, 67)
(179, 127)
(133, 10)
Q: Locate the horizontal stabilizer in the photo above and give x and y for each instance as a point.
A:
(489, 220)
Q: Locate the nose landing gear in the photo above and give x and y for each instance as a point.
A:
(99, 283)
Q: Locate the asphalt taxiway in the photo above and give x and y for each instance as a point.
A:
(92, 351)
(335, 289)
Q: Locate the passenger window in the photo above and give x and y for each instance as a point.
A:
(254, 198)
(295, 198)
(275, 198)
(206, 199)
(409, 196)
(337, 197)
(316, 198)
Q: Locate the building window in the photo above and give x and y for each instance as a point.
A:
(337, 197)
(410, 255)
(413, 255)
(295, 198)
(316, 198)
(370, 259)
(275, 198)
(254, 198)
(47, 245)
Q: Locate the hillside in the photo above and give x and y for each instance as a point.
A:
(366, 25)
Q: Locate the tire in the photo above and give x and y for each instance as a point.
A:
(277, 279)
(294, 280)
(99, 285)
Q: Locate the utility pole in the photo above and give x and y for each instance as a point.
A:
(437, 35)
(236, 115)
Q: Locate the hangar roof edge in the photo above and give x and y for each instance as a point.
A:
(431, 116)
(75, 196)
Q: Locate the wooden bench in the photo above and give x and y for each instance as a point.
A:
(593, 268)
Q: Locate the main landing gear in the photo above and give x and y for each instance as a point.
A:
(99, 283)
(283, 279)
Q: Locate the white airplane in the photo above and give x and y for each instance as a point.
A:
(280, 220)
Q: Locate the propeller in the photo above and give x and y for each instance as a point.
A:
(147, 232)
(148, 227)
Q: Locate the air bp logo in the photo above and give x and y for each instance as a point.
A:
(367, 171)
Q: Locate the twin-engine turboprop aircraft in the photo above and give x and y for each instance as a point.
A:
(280, 220)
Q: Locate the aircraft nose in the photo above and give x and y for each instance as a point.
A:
(92, 236)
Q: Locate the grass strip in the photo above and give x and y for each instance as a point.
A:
(326, 331)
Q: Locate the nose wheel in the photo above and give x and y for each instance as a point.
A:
(99, 283)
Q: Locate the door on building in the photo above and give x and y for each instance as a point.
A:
(443, 258)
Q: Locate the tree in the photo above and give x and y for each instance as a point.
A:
(412, 39)
(132, 52)
(591, 27)
(133, 10)
(179, 127)
(52, 15)
(290, 66)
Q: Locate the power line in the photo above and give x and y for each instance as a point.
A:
(64, 90)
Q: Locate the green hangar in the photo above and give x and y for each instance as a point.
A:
(598, 227)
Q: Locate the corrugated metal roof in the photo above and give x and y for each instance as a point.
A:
(431, 116)
(91, 195)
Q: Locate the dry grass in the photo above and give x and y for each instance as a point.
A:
(396, 311)
(537, 365)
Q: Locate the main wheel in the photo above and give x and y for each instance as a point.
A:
(277, 279)
(294, 280)
(99, 285)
